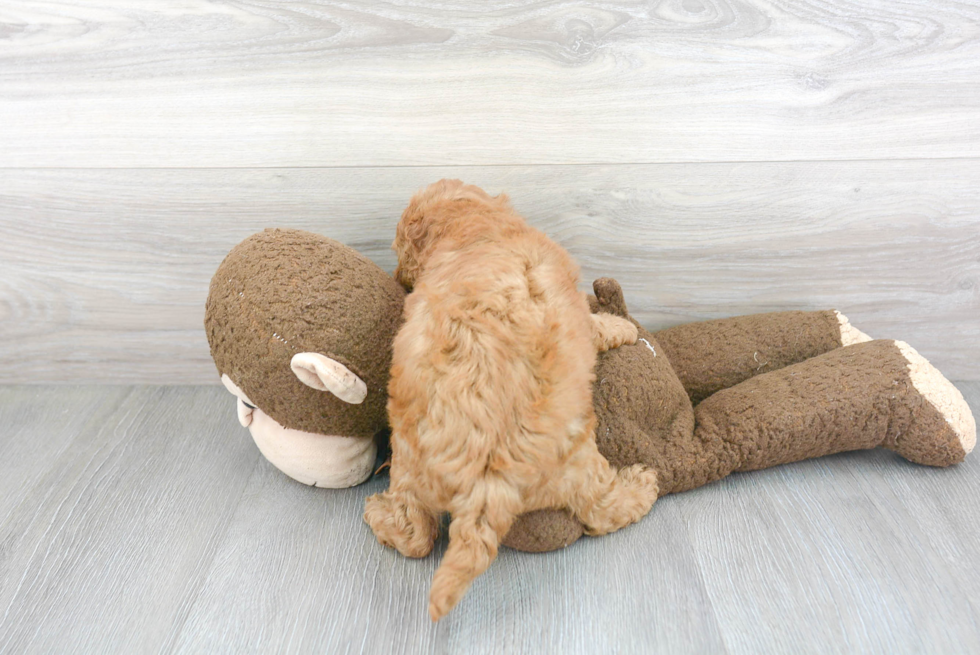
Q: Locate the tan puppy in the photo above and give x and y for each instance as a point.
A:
(490, 398)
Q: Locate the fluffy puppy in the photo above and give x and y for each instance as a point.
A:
(490, 397)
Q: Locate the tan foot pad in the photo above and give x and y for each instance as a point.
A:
(942, 395)
(849, 335)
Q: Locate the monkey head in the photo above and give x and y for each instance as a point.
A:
(300, 328)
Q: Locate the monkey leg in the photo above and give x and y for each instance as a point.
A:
(715, 355)
(880, 393)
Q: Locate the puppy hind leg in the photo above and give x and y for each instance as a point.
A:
(400, 520)
(606, 500)
(609, 331)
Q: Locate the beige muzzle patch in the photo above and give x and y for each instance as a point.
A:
(320, 460)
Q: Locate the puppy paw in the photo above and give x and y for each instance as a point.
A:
(399, 521)
(612, 331)
(627, 500)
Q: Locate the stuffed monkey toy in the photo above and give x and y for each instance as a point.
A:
(301, 327)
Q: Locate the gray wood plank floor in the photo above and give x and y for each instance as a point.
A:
(142, 519)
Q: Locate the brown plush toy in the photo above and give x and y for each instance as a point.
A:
(301, 327)
(698, 401)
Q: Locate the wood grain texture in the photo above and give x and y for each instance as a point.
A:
(839, 552)
(32, 447)
(106, 549)
(159, 529)
(354, 83)
(327, 586)
(104, 273)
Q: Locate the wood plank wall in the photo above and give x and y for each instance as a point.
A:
(718, 157)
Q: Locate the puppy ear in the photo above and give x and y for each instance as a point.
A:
(321, 372)
(424, 218)
(416, 228)
(412, 237)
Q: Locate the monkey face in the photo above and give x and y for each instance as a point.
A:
(320, 460)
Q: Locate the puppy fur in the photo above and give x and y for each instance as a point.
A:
(490, 397)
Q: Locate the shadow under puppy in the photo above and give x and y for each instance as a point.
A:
(490, 397)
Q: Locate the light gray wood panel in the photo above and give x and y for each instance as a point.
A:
(31, 447)
(274, 83)
(301, 572)
(858, 552)
(297, 573)
(107, 549)
(104, 273)
(944, 511)
(143, 538)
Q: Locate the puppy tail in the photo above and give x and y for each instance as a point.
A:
(474, 537)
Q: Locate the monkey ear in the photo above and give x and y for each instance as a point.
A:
(321, 372)
(609, 297)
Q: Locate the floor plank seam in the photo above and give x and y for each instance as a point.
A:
(169, 644)
(598, 163)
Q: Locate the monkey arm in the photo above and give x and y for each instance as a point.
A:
(715, 355)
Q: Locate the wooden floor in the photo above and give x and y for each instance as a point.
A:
(142, 519)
